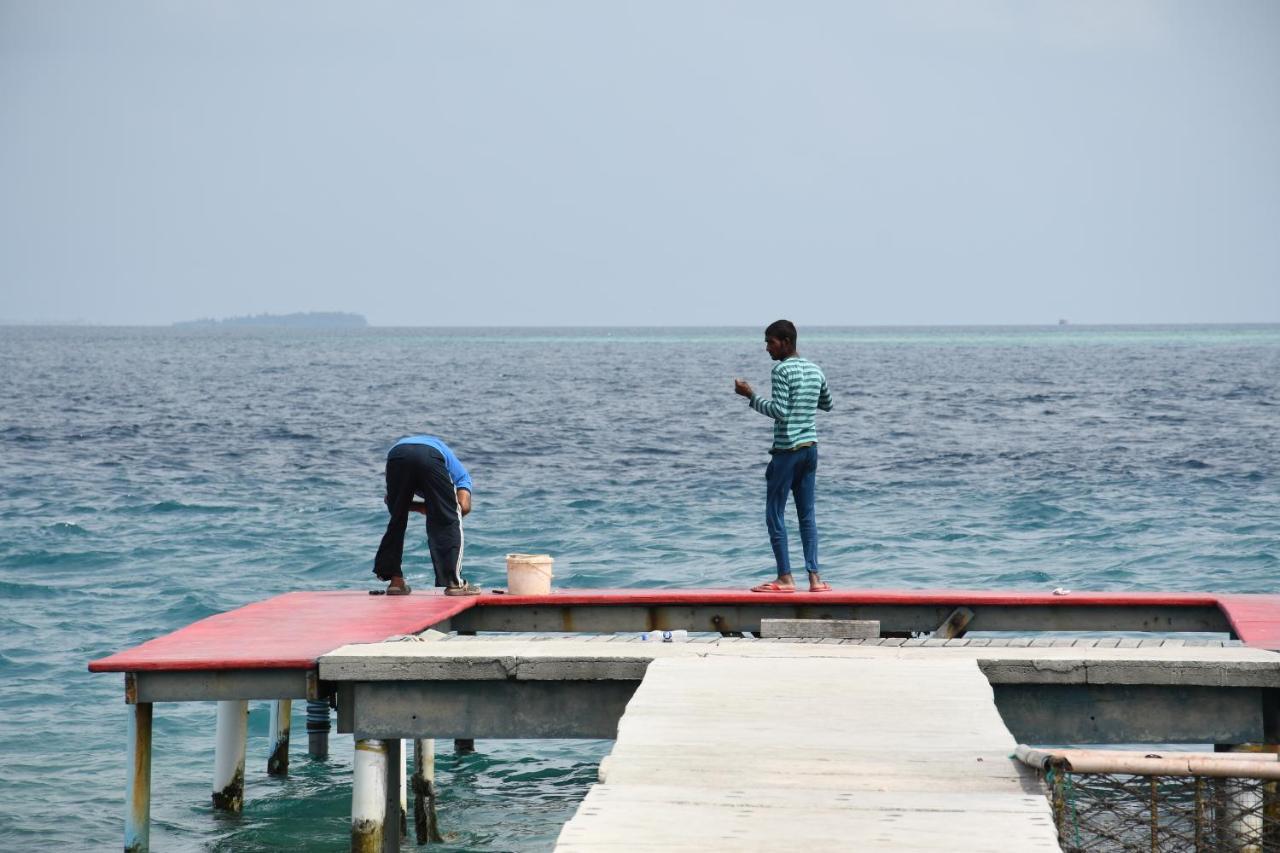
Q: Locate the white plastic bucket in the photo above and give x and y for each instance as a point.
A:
(529, 574)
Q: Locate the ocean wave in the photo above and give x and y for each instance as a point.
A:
(172, 506)
(66, 528)
(22, 435)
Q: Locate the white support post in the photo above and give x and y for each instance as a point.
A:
(368, 796)
(228, 756)
(137, 820)
(424, 792)
(278, 761)
(404, 785)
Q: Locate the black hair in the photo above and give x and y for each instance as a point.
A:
(783, 330)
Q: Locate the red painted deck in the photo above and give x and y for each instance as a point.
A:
(292, 631)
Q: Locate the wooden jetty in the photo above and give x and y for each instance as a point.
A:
(899, 741)
(812, 753)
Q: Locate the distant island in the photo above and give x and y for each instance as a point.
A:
(299, 320)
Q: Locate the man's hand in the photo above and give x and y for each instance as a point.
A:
(418, 506)
(464, 501)
(741, 386)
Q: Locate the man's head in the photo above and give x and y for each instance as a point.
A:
(780, 339)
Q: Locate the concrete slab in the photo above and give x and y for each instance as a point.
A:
(467, 658)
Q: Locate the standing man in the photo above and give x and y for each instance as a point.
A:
(423, 465)
(799, 389)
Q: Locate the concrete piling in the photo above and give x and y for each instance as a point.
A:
(137, 820)
(425, 824)
(369, 796)
(228, 757)
(318, 728)
(278, 760)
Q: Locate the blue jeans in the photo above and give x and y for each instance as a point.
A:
(792, 471)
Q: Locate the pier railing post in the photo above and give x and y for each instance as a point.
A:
(228, 755)
(278, 760)
(368, 796)
(425, 824)
(137, 821)
(318, 728)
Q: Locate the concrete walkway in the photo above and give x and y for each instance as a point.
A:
(778, 754)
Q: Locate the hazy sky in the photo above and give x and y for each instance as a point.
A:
(636, 163)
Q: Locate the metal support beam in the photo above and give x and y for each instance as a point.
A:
(318, 728)
(425, 822)
(403, 788)
(228, 755)
(278, 761)
(393, 823)
(368, 796)
(137, 819)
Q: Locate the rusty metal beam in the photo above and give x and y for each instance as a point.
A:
(954, 625)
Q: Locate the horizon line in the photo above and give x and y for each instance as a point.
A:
(54, 324)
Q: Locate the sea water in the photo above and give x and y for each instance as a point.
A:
(152, 477)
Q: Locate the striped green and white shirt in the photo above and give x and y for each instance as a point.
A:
(799, 390)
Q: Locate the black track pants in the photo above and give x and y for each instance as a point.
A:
(419, 469)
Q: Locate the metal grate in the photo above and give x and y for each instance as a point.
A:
(1111, 813)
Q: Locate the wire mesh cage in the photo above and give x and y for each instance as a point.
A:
(1114, 812)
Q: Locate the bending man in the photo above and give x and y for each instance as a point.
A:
(424, 466)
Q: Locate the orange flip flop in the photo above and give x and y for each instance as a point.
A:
(772, 586)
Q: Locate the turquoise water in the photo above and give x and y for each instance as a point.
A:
(156, 476)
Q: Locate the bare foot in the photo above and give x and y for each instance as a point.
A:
(817, 584)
